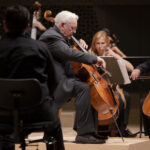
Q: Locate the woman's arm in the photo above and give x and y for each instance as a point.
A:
(129, 66)
(118, 51)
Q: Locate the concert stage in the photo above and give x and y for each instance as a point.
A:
(113, 143)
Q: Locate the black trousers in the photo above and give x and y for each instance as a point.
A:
(123, 112)
(85, 117)
(44, 112)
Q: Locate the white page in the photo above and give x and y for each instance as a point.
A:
(123, 70)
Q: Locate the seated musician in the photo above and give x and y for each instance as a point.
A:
(142, 68)
(102, 45)
(36, 22)
(22, 57)
(57, 39)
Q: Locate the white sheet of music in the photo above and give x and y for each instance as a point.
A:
(117, 69)
(123, 70)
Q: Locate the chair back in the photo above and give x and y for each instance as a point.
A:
(17, 95)
(25, 93)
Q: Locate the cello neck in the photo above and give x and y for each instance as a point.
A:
(76, 41)
(85, 51)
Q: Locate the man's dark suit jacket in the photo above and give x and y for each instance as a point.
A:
(22, 57)
(63, 55)
(144, 67)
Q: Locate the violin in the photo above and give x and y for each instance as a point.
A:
(36, 16)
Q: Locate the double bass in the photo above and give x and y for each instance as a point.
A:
(103, 98)
(36, 16)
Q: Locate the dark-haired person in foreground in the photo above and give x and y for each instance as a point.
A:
(22, 57)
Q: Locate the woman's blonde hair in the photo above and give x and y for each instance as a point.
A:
(97, 36)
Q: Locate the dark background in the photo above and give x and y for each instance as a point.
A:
(128, 19)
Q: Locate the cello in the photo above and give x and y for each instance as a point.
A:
(103, 98)
(146, 105)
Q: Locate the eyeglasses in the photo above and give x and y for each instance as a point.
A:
(73, 28)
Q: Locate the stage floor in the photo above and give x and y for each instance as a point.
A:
(113, 143)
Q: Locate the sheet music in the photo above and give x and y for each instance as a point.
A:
(123, 70)
(117, 69)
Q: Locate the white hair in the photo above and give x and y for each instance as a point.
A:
(65, 16)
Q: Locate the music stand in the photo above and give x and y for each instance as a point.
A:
(117, 70)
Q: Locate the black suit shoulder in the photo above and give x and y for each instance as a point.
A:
(144, 67)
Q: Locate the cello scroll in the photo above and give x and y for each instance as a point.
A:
(47, 16)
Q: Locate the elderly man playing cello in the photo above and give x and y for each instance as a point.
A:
(57, 39)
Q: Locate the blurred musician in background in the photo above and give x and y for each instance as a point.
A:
(37, 27)
(113, 42)
(103, 44)
(142, 68)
